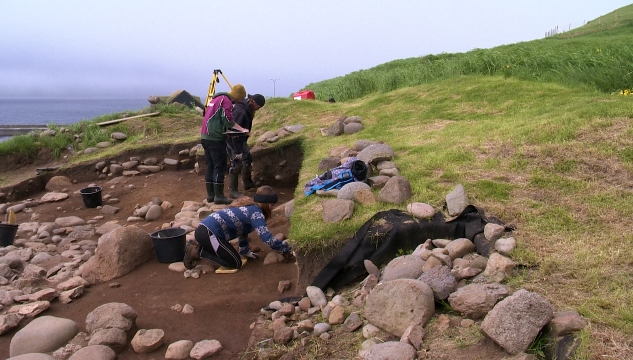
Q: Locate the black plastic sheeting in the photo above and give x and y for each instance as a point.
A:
(392, 231)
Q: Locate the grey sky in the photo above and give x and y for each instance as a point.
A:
(137, 48)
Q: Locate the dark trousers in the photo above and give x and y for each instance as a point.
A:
(237, 145)
(215, 156)
(215, 250)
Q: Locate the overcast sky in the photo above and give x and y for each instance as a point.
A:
(137, 48)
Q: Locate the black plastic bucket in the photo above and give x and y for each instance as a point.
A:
(169, 244)
(91, 196)
(7, 233)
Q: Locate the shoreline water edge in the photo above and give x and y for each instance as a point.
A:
(36, 111)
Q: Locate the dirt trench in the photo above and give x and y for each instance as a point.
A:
(225, 305)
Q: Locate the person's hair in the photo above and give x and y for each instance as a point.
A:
(246, 201)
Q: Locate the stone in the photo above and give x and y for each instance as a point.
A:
(119, 252)
(421, 210)
(348, 190)
(43, 334)
(352, 128)
(459, 248)
(397, 190)
(179, 350)
(415, 305)
(118, 136)
(403, 267)
(69, 221)
(316, 295)
(111, 337)
(204, 349)
(391, 350)
(9, 321)
(153, 213)
(94, 352)
(352, 322)
(321, 328)
(365, 197)
(30, 310)
(57, 183)
(566, 322)
(474, 301)
(111, 315)
(505, 245)
(53, 197)
(146, 341)
(441, 280)
(375, 153)
(493, 231)
(516, 320)
(337, 210)
(456, 200)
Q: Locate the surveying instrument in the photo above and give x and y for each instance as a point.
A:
(214, 80)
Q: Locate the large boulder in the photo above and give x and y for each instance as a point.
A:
(43, 334)
(516, 320)
(415, 305)
(119, 252)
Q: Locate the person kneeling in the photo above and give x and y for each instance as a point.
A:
(242, 217)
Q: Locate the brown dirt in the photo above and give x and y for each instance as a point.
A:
(224, 305)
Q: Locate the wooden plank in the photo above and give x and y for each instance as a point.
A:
(127, 118)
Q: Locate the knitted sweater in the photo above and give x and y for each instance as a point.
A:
(231, 223)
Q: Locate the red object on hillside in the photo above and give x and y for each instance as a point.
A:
(304, 95)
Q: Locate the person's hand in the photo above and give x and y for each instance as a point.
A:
(251, 255)
(289, 257)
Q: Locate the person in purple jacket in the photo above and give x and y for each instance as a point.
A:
(236, 222)
(218, 118)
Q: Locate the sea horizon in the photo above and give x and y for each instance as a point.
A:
(44, 111)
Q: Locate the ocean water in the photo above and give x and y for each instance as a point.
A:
(23, 111)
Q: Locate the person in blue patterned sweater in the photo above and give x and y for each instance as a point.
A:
(241, 218)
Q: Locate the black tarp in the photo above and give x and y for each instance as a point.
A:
(389, 232)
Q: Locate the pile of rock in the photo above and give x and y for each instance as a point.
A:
(60, 259)
(135, 166)
(107, 329)
(274, 136)
(394, 306)
(344, 125)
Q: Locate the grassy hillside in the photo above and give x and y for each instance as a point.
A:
(537, 133)
(595, 56)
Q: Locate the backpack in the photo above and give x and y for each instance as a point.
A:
(353, 170)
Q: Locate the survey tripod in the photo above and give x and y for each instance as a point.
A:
(214, 80)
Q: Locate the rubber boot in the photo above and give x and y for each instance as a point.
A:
(219, 198)
(246, 178)
(233, 182)
(210, 192)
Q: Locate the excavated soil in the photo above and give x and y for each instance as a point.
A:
(225, 305)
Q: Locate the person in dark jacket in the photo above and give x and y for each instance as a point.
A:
(244, 216)
(240, 156)
(218, 118)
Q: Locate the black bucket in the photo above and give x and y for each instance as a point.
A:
(91, 196)
(7, 233)
(169, 244)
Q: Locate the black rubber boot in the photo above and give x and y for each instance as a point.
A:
(246, 178)
(233, 183)
(210, 192)
(219, 198)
